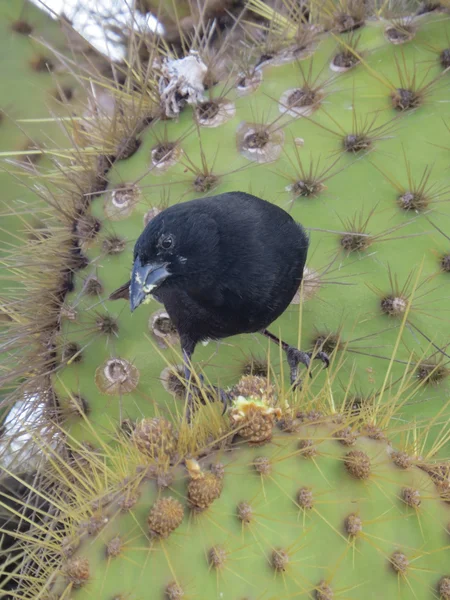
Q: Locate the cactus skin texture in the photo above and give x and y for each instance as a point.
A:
(307, 514)
(37, 91)
(289, 493)
(34, 84)
(351, 166)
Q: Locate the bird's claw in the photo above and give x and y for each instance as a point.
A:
(224, 397)
(296, 357)
(211, 391)
(323, 356)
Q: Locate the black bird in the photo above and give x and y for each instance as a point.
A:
(222, 266)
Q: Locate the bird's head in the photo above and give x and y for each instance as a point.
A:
(171, 247)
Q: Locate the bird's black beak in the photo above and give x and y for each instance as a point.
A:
(144, 279)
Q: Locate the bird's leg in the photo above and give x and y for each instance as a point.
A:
(295, 356)
(188, 347)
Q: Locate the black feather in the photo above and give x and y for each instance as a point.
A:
(245, 260)
(235, 263)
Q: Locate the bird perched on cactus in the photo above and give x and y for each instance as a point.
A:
(222, 266)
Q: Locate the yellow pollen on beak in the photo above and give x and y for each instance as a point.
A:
(148, 288)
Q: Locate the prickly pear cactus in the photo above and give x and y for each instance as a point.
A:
(36, 87)
(314, 508)
(39, 97)
(34, 92)
(338, 114)
(348, 131)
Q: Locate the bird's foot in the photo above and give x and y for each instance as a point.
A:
(197, 393)
(224, 398)
(296, 357)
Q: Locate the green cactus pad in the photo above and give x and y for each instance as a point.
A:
(308, 514)
(36, 87)
(364, 172)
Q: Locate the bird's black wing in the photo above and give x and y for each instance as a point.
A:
(260, 252)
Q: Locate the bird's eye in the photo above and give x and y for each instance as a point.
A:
(166, 242)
